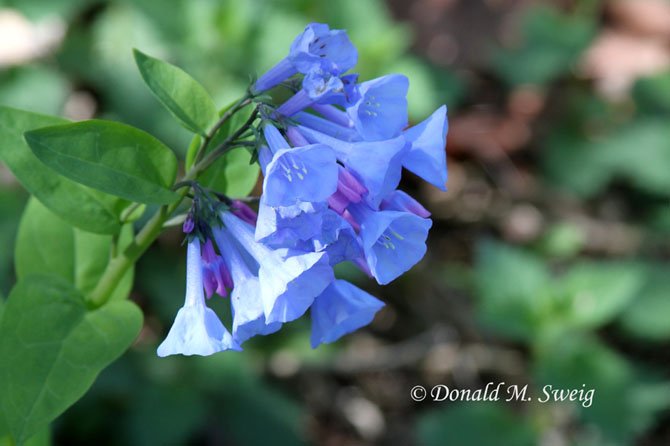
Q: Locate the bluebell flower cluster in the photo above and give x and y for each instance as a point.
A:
(332, 156)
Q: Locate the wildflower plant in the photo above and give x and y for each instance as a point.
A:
(331, 155)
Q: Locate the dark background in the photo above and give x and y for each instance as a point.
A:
(547, 262)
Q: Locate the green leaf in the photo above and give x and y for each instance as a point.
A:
(598, 292)
(79, 205)
(232, 174)
(586, 165)
(647, 316)
(463, 425)
(552, 43)
(512, 306)
(46, 244)
(109, 156)
(183, 96)
(11, 207)
(625, 402)
(652, 94)
(53, 349)
(41, 438)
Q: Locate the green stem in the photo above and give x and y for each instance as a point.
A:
(239, 105)
(121, 263)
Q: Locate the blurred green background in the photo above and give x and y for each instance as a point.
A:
(547, 262)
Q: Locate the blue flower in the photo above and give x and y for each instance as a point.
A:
(381, 111)
(320, 46)
(196, 330)
(308, 173)
(376, 164)
(317, 47)
(245, 299)
(289, 281)
(339, 310)
(393, 241)
(427, 156)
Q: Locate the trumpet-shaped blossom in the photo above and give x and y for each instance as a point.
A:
(339, 310)
(196, 330)
(289, 281)
(317, 47)
(393, 241)
(299, 174)
(245, 299)
(381, 111)
(427, 156)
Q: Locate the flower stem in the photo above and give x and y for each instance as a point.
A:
(121, 262)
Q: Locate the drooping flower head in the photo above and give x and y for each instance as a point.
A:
(332, 157)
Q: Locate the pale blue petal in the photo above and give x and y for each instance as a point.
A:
(320, 46)
(341, 309)
(288, 226)
(381, 110)
(307, 173)
(196, 330)
(248, 316)
(393, 242)
(427, 156)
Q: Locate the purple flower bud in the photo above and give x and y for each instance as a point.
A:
(188, 225)
(400, 201)
(242, 211)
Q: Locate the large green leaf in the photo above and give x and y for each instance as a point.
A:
(79, 205)
(52, 349)
(109, 156)
(182, 95)
(47, 244)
